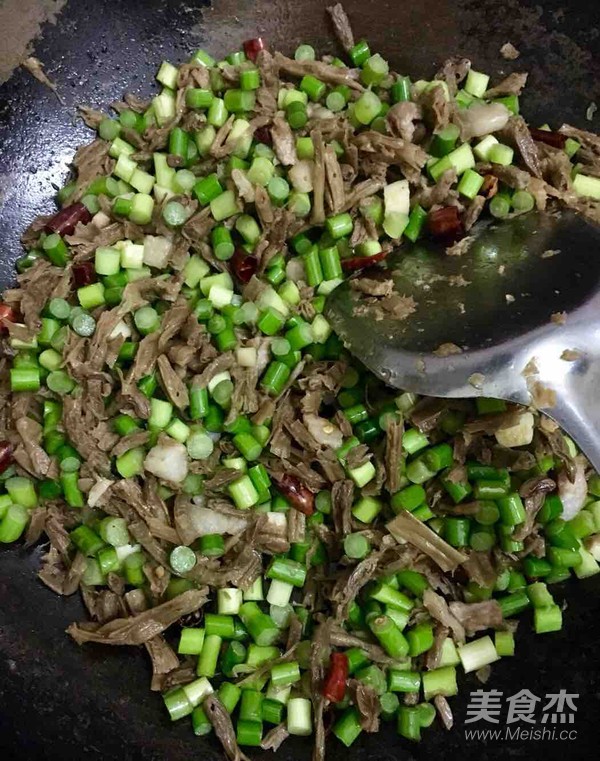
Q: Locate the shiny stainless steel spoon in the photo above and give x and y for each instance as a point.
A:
(516, 275)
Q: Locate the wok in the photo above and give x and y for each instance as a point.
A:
(59, 701)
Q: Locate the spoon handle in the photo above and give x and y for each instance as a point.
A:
(577, 411)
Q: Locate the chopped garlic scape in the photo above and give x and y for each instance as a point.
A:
(216, 379)
(246, 357)
(396, 197)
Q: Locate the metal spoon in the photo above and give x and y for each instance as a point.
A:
(526, 316)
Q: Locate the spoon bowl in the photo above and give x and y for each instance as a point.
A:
(516, 316)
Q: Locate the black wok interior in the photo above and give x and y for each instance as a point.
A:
(59, 701)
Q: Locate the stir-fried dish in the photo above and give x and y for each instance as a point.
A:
(296, 545)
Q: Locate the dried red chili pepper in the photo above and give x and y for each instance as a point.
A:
(299, 496)
(253, 47)
(83, 274)
(263, 135)
(445, 223)
(489, 187)
(554, 139)
(243, 265)
(334, 685)
(6, 455)
(65, 221)
(6, 313)
(358, 262)
(459, 575)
